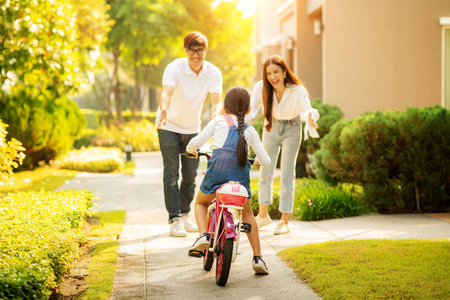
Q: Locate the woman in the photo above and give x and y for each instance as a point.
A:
(285, 104)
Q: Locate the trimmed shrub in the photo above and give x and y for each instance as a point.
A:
(40, 234)
(401, 159)
(95, 159)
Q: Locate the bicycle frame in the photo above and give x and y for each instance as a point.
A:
(224, 215)
(224, 234)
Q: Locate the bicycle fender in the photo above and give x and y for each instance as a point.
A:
(229, 221)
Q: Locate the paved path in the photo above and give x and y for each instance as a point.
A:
(153, 265)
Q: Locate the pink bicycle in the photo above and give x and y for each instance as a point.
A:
(223, 232)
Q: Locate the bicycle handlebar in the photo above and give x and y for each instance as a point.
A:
(208, 157)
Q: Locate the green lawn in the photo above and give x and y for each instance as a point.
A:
(103, 253)
(374, 269)
(46, 178)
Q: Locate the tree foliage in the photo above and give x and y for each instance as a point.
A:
(147, 35)
(43, 45)
(11, 154)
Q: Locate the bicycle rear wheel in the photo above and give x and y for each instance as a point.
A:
(208, 258)
(224, 257)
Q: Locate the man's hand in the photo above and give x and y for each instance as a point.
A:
(162, 119)
(195, 154)
(256, 163)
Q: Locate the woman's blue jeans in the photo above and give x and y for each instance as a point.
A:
(287, 135)
(177, 198)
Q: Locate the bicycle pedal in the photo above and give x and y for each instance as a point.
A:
(246, 227)
(195, 253)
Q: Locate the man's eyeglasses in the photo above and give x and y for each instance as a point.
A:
(193, 51)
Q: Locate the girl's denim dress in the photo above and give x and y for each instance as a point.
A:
(223, 166)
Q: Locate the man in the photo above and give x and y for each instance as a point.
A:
(186, 83)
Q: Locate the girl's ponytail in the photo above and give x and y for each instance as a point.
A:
(242, 149)
(237, 101)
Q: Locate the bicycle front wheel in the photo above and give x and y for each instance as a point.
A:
(224, 257)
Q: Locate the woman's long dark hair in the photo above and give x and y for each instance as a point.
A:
(237, 101)
(290, 79)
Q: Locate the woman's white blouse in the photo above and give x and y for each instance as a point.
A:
(295, 102)
(217, 129)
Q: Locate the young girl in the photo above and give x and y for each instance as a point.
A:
(230, 139)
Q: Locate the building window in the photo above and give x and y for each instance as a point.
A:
(445, 22)
(446, 68)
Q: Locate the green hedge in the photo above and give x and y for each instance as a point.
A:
(40, 234)
(400, 158)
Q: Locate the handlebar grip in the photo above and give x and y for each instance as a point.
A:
(187, 154)
(251, 161)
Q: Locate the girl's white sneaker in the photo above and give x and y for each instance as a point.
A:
(259, 266)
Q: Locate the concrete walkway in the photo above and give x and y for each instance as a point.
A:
(153, 265)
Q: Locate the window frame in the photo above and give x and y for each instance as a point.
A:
(445, 23)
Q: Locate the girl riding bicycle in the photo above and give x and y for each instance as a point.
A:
(231, 137)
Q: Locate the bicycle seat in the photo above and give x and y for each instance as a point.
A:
(232, 193)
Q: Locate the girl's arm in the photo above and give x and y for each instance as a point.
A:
(204, 136)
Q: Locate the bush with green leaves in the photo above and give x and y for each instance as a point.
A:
(316, 200)
(93, 159)
(46, 126)
(329, 115)
(274, 213)
(96, 118)
(40, 235)
(11, 154)
(141, 135)
(400, 158)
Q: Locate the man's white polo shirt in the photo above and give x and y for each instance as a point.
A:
(190, 92)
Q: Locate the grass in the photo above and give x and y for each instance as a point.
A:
(374, 269)
(46, 178)
(103, 253)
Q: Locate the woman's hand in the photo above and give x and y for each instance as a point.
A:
(256, 162)
(312, 122)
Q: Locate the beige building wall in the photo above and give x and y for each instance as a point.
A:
(309, 46)
(382, 55)
(267, 32)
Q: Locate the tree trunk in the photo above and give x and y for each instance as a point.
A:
(116, 82)
(135, 100)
